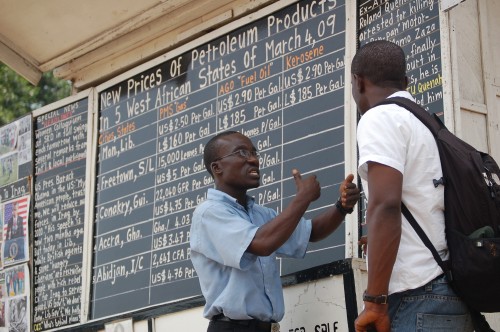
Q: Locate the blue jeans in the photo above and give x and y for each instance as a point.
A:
(432, 307)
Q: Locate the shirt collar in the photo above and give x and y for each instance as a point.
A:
(402, 93)
(217, 195)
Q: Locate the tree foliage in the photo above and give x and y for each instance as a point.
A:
(18, 97)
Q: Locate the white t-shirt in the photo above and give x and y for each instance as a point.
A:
(391, 135)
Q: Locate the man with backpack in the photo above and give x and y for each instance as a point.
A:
(399, 159)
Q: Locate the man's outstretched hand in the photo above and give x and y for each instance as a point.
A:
(308, 188)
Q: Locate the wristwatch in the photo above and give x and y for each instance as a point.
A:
(379, 299)
(341, 209)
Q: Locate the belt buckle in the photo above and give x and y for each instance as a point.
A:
(275, 327)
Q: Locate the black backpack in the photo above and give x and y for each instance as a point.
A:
(472, 214)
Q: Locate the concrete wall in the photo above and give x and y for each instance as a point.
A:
(475, 55)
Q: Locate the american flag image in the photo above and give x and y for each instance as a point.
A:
(23, 210)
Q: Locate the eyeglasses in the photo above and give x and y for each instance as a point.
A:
(246, 154)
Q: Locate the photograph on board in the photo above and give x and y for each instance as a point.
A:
(15, 230)
(15, 149)
(15, 312)
(3, 299)
(18, 314)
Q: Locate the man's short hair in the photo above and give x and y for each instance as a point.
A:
(382, 62)
(210, 152)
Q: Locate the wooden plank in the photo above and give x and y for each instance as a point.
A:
(134, 39)
(21, 64)
(116, 33)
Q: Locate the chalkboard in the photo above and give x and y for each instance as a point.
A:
(278, 80)
(413, 25)
(59, 207)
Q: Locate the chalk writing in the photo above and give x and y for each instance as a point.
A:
(413, 25)
(60, 141)
(277, 80)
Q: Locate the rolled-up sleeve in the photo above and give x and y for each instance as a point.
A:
(223, 236)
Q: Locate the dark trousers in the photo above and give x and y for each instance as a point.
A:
(238, 326)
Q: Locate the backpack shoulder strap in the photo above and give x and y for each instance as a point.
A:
(434, 125)
(430, 121)
(425, 239)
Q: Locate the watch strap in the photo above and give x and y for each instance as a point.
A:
(378, 299)
(342, 209)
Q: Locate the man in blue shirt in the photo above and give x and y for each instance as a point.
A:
(235, 242)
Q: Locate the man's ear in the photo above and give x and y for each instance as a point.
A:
(359, 83)
(215, 168)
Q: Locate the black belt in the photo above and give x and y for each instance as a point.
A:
(260, 325)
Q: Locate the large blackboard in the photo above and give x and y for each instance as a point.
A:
(413, 25)
(280, 81)
(59, 205)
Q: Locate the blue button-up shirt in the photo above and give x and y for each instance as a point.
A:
(234, 282)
